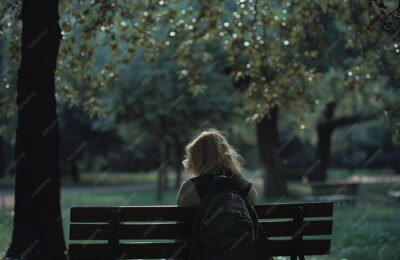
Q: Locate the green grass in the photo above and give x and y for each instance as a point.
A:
(112, 178)
(370, 230)
(6, 221)
(99, 179)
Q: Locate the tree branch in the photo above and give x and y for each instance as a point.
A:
(346, 120)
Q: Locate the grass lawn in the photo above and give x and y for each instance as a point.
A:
(99, 179)
(370, 230)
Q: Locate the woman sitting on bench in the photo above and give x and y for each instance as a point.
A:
(225, 225)
(209, 153)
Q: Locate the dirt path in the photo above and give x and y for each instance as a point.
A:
(374, 179)
(7, 195)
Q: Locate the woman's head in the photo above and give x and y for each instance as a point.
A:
(210, 152)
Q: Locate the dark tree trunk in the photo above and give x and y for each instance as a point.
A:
(396, 164)
(324, 134)
(325, 127)
(320, 167)
(37, 232)
(2, 158)
(395, 149)
(267, 138)
(74, 171)
(161, 172)
(164, 166)
(178, 157)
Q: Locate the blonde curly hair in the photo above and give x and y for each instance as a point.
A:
(210, 152)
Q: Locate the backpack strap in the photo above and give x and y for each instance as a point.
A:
(241, 185)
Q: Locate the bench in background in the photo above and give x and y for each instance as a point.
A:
(340, 193)
(155, 232)
(334, 188)
(394, 194)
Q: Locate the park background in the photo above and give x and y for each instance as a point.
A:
(304, 90)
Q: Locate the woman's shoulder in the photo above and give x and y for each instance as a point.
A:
(253, 195)
(187, 195)
(248, 187)
(193, 180)
(187, 184)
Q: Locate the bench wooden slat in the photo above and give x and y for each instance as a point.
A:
(174, 213)
(171, 250)
(183, 230)
(285, 210)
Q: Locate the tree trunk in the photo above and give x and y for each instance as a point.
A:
(267, 138)
(2, 158)
(396, 164)
(37, 231)
(320, 167)
(74, 171)
(161, 180)
(325, 127)
(178, 162)
(164, 166)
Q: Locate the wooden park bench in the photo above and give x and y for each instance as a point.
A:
(340, 193)
(159, 232)
(334, 188)
(394, 194)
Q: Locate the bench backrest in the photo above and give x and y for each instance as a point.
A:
(155, 232)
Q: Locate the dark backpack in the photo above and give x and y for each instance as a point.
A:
(225, 224)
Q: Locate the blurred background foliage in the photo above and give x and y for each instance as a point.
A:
(136, 74)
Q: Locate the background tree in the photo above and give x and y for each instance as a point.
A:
(325, 127)
(283, 73)
(164, 108)
(82, 137)
(352, 65)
